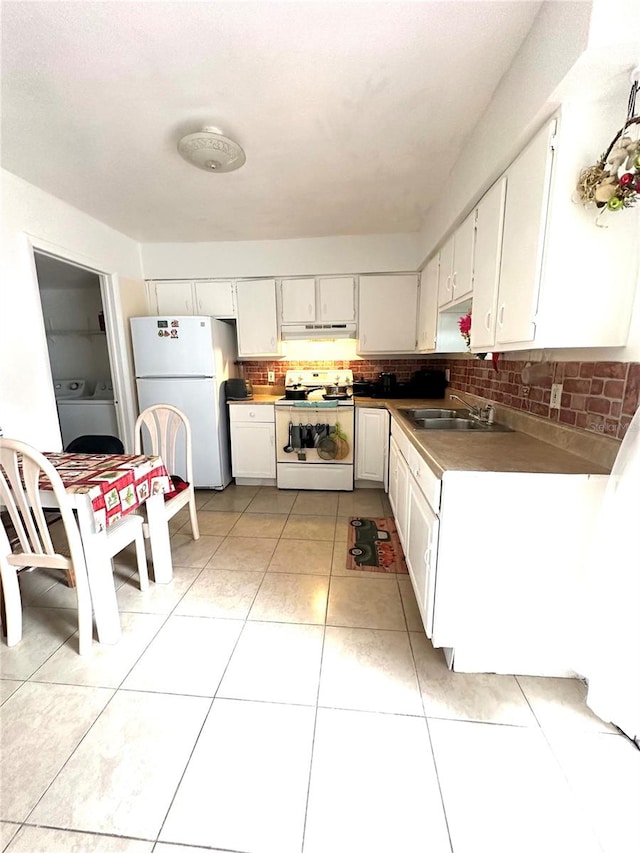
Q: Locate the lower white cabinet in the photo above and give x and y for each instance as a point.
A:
(416, 519)
(422, 551)
(398, 489)
(372, 444)
(496, 578)
(253, 442)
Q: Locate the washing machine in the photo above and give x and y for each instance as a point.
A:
(84, 413)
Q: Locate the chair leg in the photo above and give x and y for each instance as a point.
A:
(12, 601)
(195, 530)
(141, 557)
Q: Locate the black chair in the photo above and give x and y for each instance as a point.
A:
(95, 444)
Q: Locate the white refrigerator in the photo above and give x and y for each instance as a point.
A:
(184, 361)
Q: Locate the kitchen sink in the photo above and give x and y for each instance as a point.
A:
(431, 413)
(460, 424)
(452, 420)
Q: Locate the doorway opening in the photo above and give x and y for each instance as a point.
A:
(74, 320)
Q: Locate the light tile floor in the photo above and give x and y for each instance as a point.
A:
(269, 700)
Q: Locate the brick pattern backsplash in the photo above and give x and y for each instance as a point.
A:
(600, 396)
(256, 371)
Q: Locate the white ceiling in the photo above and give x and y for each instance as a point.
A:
(351, 114)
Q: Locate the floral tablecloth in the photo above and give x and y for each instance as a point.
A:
(117, 484)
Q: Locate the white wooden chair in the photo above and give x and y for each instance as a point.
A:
(164, 424)
(20, 495)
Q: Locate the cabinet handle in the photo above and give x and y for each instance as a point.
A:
(273, 343)
(309, 309)
(449, 284)
(453, 282)
(186, 305)
(487, 321)
(252, 414)
(501, 314)
(200, 305)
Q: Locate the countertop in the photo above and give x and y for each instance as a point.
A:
(515, 452)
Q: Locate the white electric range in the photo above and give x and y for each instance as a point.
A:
(303, 460)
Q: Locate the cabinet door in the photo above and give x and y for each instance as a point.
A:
(445, 293)
(337, 300)
(421, 552)
(428, 307)
(253, 450)
(387, 313)
(402, 500)
(174, 297)
(462, 277)
(257, 319)
(298, 298)
(486, 267)
(393, 476)
(215, 298)
(372, 443)
(528, 184)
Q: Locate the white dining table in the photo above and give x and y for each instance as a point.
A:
(102, 487)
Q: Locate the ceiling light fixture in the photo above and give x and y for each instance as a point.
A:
(210, 150)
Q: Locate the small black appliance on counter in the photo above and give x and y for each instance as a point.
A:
(428, 384)
(362, 387)
(238, 389)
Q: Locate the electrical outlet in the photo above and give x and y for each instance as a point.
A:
(556, 396)
(271, 376)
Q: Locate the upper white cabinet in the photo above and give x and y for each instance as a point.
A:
(456, 264)
(428, 307)
(171, 297)
(387, 311)
(257, 318)
(337, 299)
(322, 300)
(486, 266)
(564, 281)
(372, 444)
(298, 300)
(210, 298)
(215, 298)
(525, 214)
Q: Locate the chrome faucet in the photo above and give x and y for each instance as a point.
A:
(482, 414)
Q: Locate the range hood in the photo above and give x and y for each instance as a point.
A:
(317, 331)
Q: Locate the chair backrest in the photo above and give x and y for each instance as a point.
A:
(95, 444)
(164, 425)
(22, 468)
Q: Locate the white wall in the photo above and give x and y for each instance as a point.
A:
(33, 217)
(316, 256)
(521, 102)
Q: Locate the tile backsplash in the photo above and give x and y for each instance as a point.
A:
(599, 396)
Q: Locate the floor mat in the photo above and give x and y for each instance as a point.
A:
(373, 546)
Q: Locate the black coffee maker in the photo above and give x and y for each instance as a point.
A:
(387, 384)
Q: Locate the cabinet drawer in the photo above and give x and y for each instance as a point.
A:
(244, 413)
(430, 484)
(401, 439)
